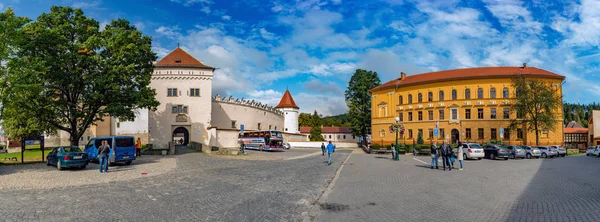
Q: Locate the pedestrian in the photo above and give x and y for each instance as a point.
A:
(330, 150)
(434, 155)
(322, 149)
(242, 147)
(138, 147)
(451, 156)
(393, 151)
(460, 157)
(103, 152)
(445, 156)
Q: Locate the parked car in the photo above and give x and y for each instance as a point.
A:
(287, 146)
(494, 151)
(590, 150)
(531, 152)
(516, 152)
(596, 151)
(68, 156)
(470, 151)
(561, 151)
(122, 149)
(547, 152)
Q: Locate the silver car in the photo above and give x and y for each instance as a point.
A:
(547, 152)
(561, 151)
(470, 151)
(590, 151)
(516, 152)
(531, 152)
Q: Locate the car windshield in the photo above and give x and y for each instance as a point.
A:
(474, 145)
(72, 150)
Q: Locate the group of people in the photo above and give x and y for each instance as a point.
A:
(447, 154)
(330, 148)
(104, 150)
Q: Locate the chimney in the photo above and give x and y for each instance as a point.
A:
(524, 65)
(402, 75)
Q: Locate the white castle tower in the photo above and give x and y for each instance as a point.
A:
(290, 112)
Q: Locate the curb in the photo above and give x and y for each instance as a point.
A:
(314, 210)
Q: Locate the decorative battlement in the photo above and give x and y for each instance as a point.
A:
(251, 103)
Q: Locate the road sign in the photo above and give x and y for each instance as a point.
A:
(501, 133)
(242, 128)
(435, 132)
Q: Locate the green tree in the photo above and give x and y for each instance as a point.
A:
(315, 119)
(315, 134)
(304, 119)
(536, 105)
(66, 74)
(358, 100)
(420, 138)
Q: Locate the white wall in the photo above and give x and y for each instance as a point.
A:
(318, 144)
(291, 120)
(339, 137)
(224, 112)
(137, 126)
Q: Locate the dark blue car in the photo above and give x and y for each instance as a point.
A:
(122, 148)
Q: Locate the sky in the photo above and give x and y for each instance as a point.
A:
(312, 48)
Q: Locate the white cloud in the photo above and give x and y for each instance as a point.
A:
(266, 34)
(1, 6)
(87, 4)
(169, 32)
(387, 64)
(316, 85)
(226, 17)
(188, 3)
(103, 25)
(139, 25)
(584, 32)
(205, 9)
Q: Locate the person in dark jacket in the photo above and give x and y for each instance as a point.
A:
(434, 155)
(446, 152)
(322, 149)
(103, 152)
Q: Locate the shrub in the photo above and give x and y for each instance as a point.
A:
(375, 146)
(420, 138)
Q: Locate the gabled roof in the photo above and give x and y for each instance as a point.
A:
(576, 130)
(468, 73)
(574, 124)
(287, 101)
(180, 58)
(327, 129)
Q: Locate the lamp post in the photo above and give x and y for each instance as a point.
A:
(396, 128)
(22, 144)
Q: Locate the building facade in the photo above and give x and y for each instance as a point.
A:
(576, 138)
(470, 105)
(333, 134)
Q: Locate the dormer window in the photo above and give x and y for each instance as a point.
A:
(178, 61)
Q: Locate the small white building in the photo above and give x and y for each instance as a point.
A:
(333, 134)
(290, 110)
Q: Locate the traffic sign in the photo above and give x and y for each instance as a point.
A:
(501, 133)
(242, 128)
(435, 132)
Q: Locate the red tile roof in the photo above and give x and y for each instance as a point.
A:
(327, 129)
(576, 130)
(468, 73)
(287, 101)
(180, 58)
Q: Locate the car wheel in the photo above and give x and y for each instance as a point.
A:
(58, 165)
(48, 163)
(512, 156)
(479, 158)
(464, 156)
(506, 158)
(492, 156)
(528, 156)
(544, 155)
(83, 167)
(260, 148)
(128, 163)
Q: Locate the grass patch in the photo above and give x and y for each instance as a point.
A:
(29, 156)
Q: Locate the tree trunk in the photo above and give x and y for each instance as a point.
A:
(74, 135)
(537, 135)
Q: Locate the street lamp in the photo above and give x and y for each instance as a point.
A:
(396, 128)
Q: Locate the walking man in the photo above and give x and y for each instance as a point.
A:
(103, 152)
(460, 156)
(322, 149)
(393, 151)
(434, 155)
(330, 150)
(138, 147)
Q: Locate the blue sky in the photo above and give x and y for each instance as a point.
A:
(313, 47)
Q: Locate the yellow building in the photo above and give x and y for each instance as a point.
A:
(470, 105)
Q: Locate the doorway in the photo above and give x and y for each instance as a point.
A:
(181, 136)
(455, 136)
